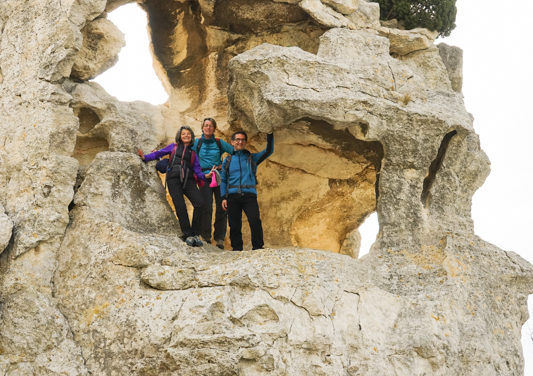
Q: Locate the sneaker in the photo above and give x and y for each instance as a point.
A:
(220, 243)
(197, 241)
(190, 241)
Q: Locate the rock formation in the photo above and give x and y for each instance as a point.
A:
(94, 278)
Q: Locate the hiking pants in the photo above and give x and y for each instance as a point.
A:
(221, 217)
(247, 202)
(190, 190)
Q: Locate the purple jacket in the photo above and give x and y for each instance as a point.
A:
(167, 150)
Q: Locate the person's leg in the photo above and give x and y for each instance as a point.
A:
(251, 209)
(235, 221)
(194, 196)
(206, 213)
(221, 217)
(176, 193)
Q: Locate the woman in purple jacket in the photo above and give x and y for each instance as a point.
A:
(182, 174)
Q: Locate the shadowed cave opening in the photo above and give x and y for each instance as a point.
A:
(88, 142)
(321, 183)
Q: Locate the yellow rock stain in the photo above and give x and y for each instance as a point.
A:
(95, 312)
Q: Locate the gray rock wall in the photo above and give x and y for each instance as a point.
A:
(95, 280)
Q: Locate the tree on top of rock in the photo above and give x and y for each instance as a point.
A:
(437, 15)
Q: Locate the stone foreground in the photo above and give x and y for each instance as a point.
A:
(94, 279)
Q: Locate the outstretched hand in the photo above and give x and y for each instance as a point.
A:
(141, 154)
(207, 176)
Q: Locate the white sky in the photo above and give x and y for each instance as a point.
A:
(497, 80)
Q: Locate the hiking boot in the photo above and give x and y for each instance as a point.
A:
(197, 241)
(220, 243)
(190, 241)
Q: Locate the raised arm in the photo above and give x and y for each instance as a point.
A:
(267, 152)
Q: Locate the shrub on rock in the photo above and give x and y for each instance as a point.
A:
(436, 15)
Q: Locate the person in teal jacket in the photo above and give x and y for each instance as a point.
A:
(210, 150)
(238, 189)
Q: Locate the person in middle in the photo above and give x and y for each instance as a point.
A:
(210, 150)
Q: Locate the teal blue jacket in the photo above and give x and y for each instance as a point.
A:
(209, 154)
(239, 176)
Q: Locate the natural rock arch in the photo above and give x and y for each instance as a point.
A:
(192, 44)
(198, 41)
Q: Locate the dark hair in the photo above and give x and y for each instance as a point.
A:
(184, 128)
(213, 121)
(239, 132)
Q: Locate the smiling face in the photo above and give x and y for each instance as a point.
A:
(208, 128)
(238, 141)
(186, 136)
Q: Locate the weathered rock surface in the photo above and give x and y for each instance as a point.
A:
(6, 228)
(453, 60)
(403, 42)
(94, 278)
(285, 311)
(102, 42)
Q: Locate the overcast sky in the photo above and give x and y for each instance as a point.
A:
(498, 57)
(497, 83)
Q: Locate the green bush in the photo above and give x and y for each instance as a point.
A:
(437, 15)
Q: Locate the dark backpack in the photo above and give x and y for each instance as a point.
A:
(201, 141)
(165, 164)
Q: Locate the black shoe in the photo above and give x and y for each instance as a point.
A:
(197, 241)
(220, 243)
(190, 241)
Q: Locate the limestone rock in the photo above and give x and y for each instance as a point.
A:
(95, 279)
(143, 205)
(352, 244)
(107, 124)
(343, 6)
(6, 228)
(403, 42)
(453, 60)
(35, 337)
(366, 15)
(277, 311)
(268, 90)
(114, 4)
(102, 42)
(324, 14)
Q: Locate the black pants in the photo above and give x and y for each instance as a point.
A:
(247, 202)
(190, 190)
(221, 217)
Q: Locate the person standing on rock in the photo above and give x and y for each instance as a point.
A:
(182, 175)
(210, 150)
(238, 189)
